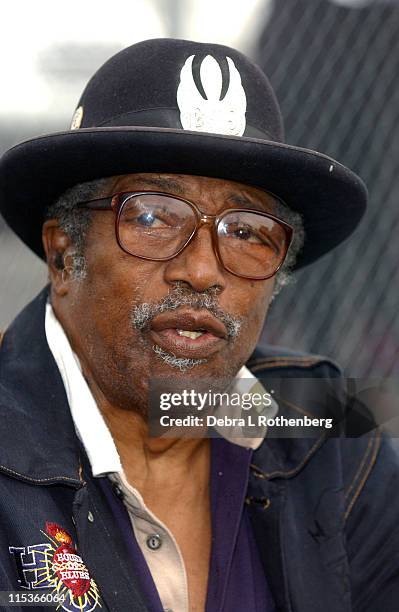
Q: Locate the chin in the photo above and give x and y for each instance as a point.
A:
(172, 368)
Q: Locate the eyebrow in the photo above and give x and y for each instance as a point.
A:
(164, 184)
(241, 200)
(172, 185)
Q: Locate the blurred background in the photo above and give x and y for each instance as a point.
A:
(335, 68)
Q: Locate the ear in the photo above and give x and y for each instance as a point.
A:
(57, 246)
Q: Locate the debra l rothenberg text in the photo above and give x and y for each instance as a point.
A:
(249, 420)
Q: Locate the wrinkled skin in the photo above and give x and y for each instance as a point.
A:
(118, 361)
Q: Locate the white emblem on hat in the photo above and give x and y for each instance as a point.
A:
(226, 116)
(77, 118)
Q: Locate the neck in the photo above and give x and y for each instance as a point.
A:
(148, 458)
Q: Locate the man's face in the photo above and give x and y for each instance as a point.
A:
(121, 343)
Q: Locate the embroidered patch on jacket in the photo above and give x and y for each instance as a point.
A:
(211, 100)
(57, 565)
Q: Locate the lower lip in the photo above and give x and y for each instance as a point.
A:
(181, 346)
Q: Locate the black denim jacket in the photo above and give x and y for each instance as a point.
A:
(325, 508)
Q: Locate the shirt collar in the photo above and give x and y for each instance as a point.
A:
(89, 423)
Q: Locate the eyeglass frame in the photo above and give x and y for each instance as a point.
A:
(116, 204)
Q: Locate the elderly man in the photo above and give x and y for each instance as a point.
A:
(169, 216)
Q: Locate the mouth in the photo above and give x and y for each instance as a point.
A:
(187, 333)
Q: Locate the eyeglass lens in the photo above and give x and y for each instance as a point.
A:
(157, 226)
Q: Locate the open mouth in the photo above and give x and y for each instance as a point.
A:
(191, 334)
(195, 334)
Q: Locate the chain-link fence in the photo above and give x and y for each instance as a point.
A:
(336, 74)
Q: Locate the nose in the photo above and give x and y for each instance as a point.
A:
(197, 265)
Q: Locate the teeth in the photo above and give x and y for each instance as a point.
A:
(190, 334)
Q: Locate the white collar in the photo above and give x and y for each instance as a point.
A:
(88, 420)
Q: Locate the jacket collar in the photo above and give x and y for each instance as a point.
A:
(39, 442)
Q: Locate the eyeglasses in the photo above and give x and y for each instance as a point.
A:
(158, 226)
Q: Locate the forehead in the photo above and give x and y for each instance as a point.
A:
(189, 186)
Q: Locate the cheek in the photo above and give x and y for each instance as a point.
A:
(254, 299)
(112, 274)
(105, 339)
(250, 302)
(113, 286)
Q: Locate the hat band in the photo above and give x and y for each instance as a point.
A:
(167, 118)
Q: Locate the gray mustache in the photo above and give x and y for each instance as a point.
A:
(143, 314)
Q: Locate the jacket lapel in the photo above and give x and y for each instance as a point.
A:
(34, 412)
(102, 547)
(266, 510)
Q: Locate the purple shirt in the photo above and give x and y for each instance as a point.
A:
(236, 577)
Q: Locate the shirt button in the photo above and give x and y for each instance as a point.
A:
(118, 491)
(154, 541)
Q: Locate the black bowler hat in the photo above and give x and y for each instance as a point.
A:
(182, 107)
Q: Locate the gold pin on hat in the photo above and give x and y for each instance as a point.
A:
(77, 118)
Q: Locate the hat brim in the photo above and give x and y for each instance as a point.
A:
(34, 173)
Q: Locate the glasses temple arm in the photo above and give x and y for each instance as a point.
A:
(98, 204)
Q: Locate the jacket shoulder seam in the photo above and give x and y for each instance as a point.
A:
(283, 361)
(259, 473)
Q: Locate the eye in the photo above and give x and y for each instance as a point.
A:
(240, 231)
(149, 219)
(245, 233)
(146, 218)
(249, 235)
